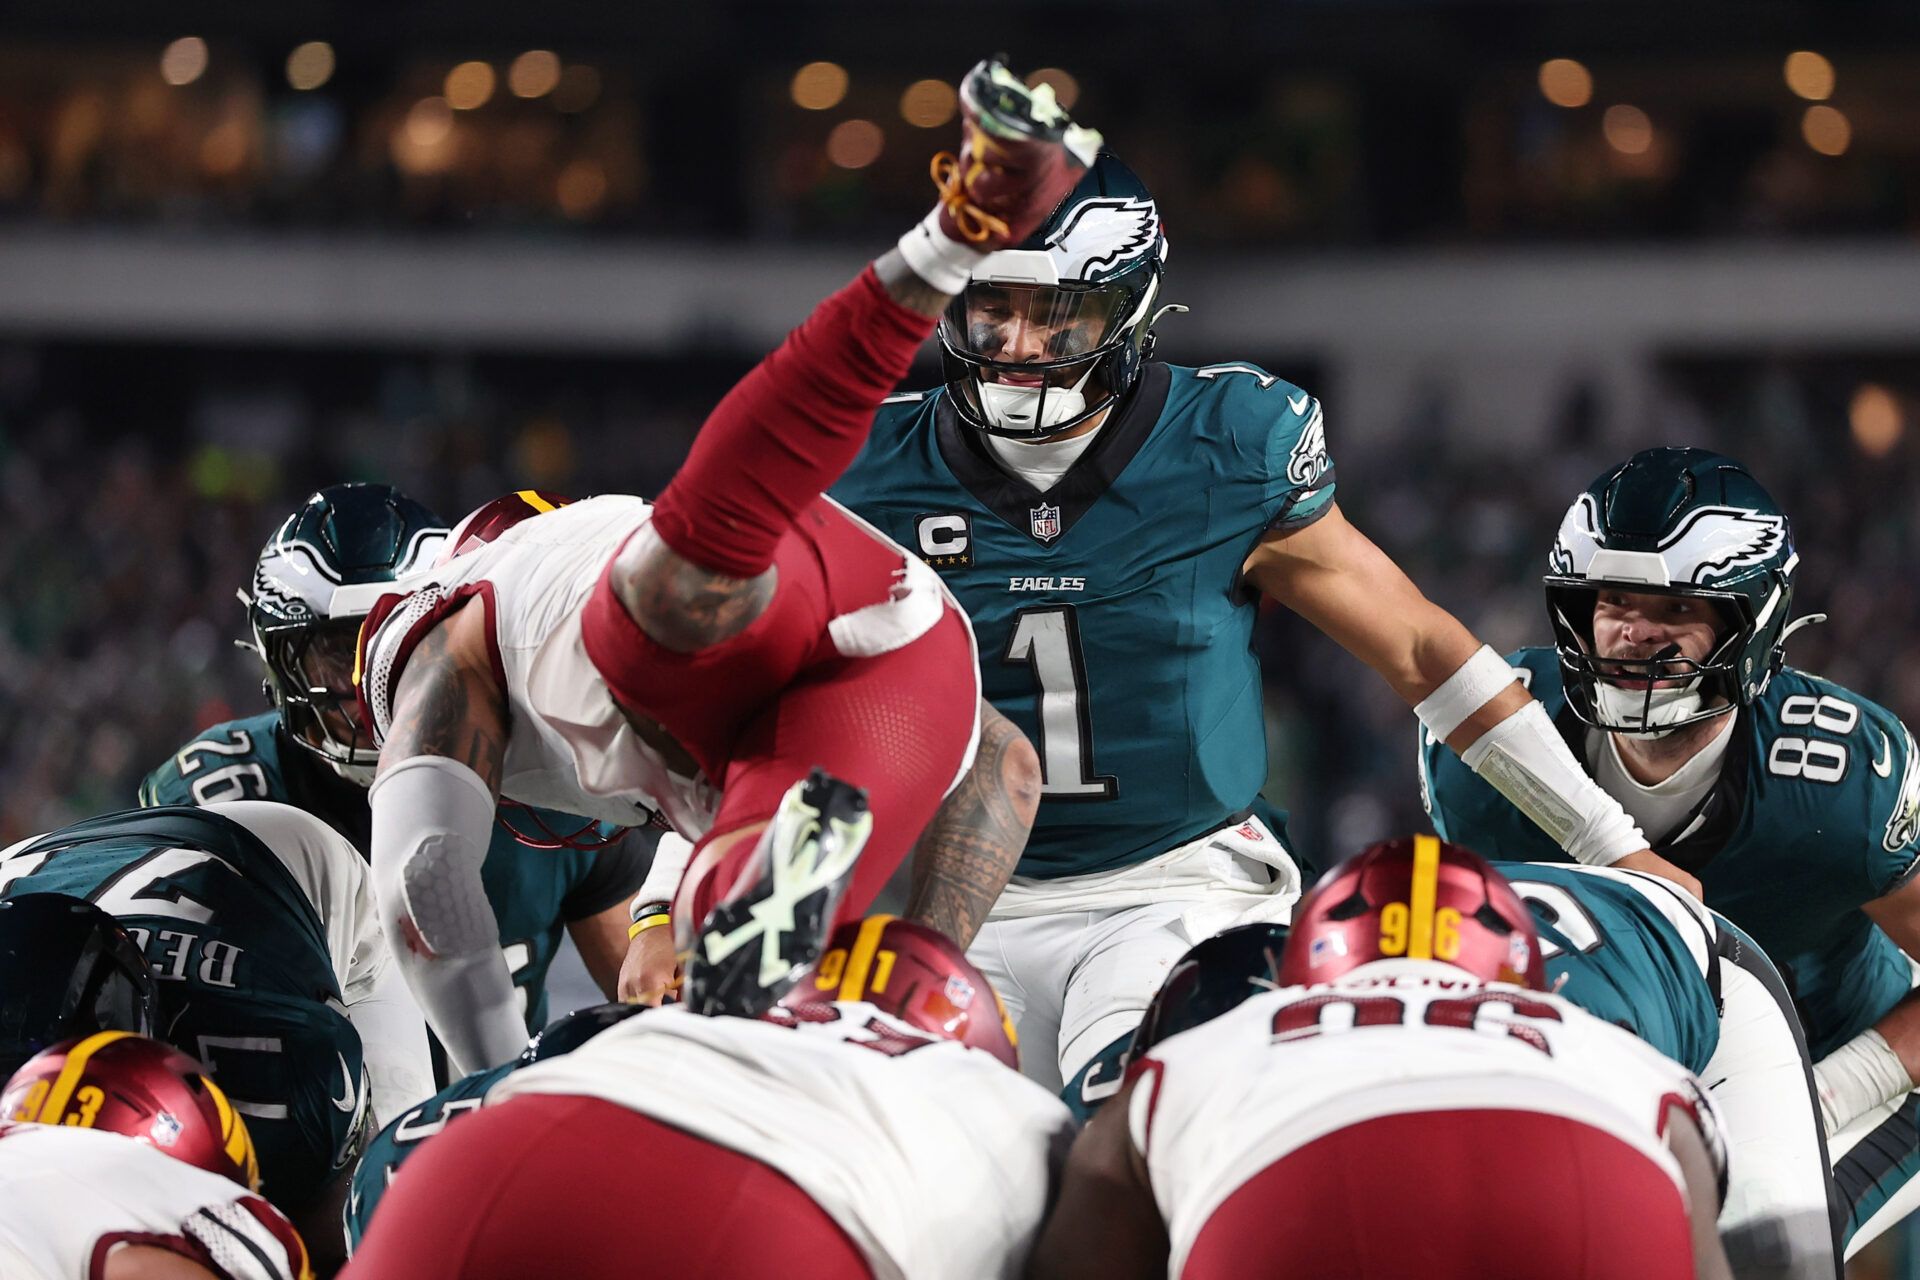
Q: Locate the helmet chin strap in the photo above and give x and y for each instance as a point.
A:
(1650, 713)
(1014, 408)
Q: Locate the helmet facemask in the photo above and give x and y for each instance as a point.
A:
(1647, 697)
(310, 680)
(1028, 357)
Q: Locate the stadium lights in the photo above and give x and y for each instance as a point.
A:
(855, 144)
(310, 65)
(1627, 129)
(469, 85)
(1826, 129)
(1565, 83)
(534, 74)
(1809, 75)
(819, 86)
(183, 61)
(928, 104)
(429, 122)
(1875, 418)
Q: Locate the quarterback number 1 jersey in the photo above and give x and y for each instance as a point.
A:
(1111, 622)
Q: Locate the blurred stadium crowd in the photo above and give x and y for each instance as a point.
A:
(137, 484)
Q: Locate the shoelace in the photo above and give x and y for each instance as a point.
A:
(972, 221)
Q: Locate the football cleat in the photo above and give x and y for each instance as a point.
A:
(1020, 155)
(775, 921)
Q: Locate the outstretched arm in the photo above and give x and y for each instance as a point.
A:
(964, 857)
(433, 809)
(1333, 575)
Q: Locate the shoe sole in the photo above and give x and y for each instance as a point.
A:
(753, 946)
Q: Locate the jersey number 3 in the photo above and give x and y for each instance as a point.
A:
(1048, 640)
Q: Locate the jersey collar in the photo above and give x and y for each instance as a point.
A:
(1085, 482)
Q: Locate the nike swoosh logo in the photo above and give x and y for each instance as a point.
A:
(1300, 403)
(1884, 765)
(344, 1102)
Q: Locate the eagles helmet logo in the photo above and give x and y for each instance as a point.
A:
(1708, 544)
(1102, 233)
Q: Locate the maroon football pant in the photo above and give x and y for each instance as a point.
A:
(1453, 1195)
(584, 1188)
(762, 708)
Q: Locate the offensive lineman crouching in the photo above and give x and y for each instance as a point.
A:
(1362, 1108)
(871, 1125)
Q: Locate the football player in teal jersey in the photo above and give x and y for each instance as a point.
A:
(391, 1147)
(1109, 523)
(1635, 951)
(258, 926)
(1795, 801)
(315, 580)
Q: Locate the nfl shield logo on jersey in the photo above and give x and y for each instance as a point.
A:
(1046, 522)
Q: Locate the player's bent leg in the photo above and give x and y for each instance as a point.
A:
(561, 1186)
(1453, 1195)
(1779, 1218)
(1876, 1160)
(1122, 961)
(899, 725)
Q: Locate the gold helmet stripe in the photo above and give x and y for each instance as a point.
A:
(1426, 885)
(860, 961)
(534, 500)
(71, 1071)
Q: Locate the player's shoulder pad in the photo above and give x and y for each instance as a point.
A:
(899, 412)
(244, 741)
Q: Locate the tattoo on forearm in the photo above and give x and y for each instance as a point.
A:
(680, 605)
(970, 848)
(444, 707)
(907, 288)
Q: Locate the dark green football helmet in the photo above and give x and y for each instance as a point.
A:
(1680, 522)
(315, 580)
(1051, 332)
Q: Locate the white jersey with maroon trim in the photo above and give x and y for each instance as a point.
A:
(935, 1159)
(1215, 1105)
(69, 1197)
(570, 748)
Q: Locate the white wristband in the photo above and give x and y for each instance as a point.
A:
(1525, 760)
(670, 858)
(942, 262)
(1860, 1075)
(1479, 679)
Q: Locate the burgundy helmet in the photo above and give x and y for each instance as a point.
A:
(122, 1083)
(915, 973)
(1415, 898)
(488, 522)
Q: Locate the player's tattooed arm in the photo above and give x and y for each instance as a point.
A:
(907, 288)
(680, 605)
(964, 857)
(448, 702)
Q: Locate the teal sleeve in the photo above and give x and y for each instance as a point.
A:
(1892, 837)
(165, 786)
(1299, 469)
